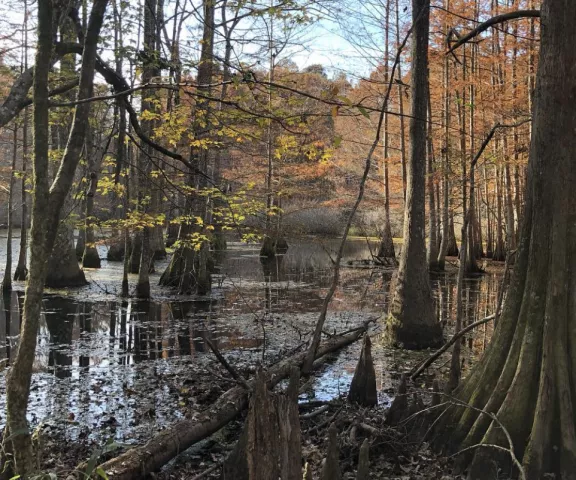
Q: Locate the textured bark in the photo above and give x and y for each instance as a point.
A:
(412, 321)
(331, 467)
(63, 267)
(47, 205)
(363, 387)
(274, 447)
(527, 376)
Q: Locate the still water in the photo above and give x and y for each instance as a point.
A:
(107, 367)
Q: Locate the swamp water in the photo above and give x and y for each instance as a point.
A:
(123, 369)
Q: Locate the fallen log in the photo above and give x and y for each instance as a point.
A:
(137, 462)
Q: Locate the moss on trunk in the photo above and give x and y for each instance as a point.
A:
(412, 320)
(527, 377)
(63, 267)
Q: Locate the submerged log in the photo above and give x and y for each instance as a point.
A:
(331, 467)
(135, 463)
(363, 387)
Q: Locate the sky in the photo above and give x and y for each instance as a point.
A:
(347, 36)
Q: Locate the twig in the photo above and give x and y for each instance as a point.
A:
(315, 413)
(416, 371)
(326, 422)
(207, 472)
(227, 366)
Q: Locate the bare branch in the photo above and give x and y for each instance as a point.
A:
(494, 21)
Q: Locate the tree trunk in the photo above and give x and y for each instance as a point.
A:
(188, 269)
(527, 376)
(47, 205)
(443, 250)
(21, 271)
(401, 107)
(499, 249)
(433, 243)
(7, 280)
(90, 257)
(452, 244)
(386, 253)
(270, 445)
(412, 321)
(63, 267)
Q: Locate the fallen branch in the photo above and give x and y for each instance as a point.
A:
(315, 413)
(207, 472)
(416, 371)
(141, 460)
(235, 375)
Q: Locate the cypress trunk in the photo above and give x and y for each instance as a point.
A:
(412, 320)
(527, 377)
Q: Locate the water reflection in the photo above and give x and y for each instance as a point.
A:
(93, 354)
(81, 334)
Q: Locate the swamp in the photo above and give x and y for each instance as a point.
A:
(288, 239)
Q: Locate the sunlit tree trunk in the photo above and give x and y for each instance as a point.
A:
(386, 251)
(47, 204)
(188, 269)
(412, 321)
(527, 376)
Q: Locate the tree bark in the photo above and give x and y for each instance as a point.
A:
(188, 269)
(47, 204)
(412, 321)
(63, 267)
(90, 256)
(21, 271)
(527, 376)
(7, 280)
